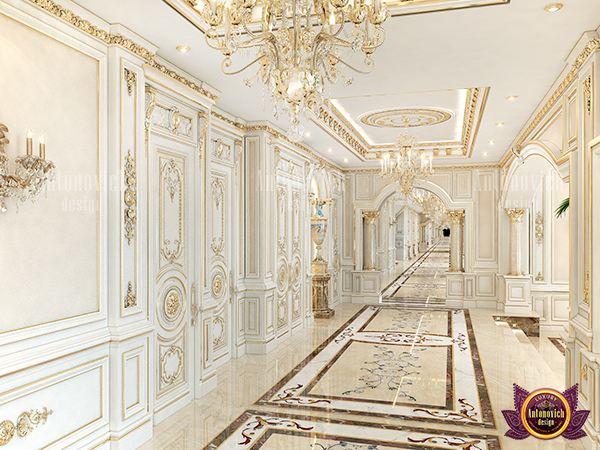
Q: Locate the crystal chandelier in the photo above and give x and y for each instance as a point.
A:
(401, 166)
(297, 45)
(431, 206)
(31, 172)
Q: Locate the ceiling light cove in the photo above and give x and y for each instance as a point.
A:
(553, 7)
(183, 48)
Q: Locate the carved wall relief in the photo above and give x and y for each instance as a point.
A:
(172, 210)
(23, 426)
(220, 151)
(217, 243)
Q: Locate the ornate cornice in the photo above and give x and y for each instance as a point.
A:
(117, 39)
(437, 168)
(338, 129)
(590, 47)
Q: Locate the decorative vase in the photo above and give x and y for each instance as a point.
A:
(318, 230)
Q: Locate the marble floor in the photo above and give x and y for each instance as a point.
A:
(374, 377)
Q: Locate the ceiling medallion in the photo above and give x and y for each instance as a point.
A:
(297, 47)
(400, 118)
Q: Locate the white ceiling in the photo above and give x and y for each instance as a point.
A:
(515, 48)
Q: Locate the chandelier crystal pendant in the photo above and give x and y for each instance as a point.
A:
(402, 167)
(297, 45)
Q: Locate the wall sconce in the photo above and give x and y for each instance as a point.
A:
(31, 173)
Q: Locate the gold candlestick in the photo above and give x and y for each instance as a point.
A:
(29, 143)
(42, 147)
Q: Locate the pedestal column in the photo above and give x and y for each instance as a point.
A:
(516, 244)
(456, 238)
(370, 244)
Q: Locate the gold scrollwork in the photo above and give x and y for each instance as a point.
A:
(539, 277)
(539, 228)
(150, 99)
(282, 218)
(130, 197)
(587, 93)
(24, 424)
(176, 351)
(130, 298)
(218, 191)
(202, 127)
(218, 331)
(131, 79)
(584, 372)
(172, 181)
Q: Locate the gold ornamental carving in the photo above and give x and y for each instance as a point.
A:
(370, 217)
(218, 331)
(218, 192)
(23, 426)
(131, 79)
(456, 217)
(539, 228)
(150, 99)
(171, 183)
(587, 93)
(172, 304)
(202, 127)
(218, 284)
(584, 372)
(173, 351)
(515, 214)
(539, 277)
(130, 298)
(587, 289)
(130, 197)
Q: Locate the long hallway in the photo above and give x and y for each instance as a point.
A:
(423, 283)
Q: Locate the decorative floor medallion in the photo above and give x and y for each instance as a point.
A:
(389, 362)
(255, 430)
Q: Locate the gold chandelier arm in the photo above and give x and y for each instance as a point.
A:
(227, 63)
(368, 62)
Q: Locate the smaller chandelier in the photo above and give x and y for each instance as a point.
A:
(297, 46)
(402, 167)
(31, 172)
(432, 207)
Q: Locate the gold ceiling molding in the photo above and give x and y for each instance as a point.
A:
(117, 39)
(276, 134)
(590, 47)
(416, 117)
(475, 97)
(437, 168)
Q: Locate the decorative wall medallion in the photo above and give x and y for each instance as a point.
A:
(539, 228)
(218, 284)
(172, 304)
(130, 298)
(587, 93)
(395, 118)
(175, 120)
(171, 308)
(130, 197)
(171, 364)
(130, 78)
(218, 331)
(282, 275)
(24, 424)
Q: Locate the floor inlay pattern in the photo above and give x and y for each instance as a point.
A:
(559, 344)
(254, 430)
(392, 363)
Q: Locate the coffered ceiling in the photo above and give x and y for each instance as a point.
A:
(447, 65)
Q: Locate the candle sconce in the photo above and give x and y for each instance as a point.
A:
(31, 172)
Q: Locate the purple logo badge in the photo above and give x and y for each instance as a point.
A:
(545, 414)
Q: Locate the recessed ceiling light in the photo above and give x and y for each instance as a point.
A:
(511, 97)
(500, 124)
(308, 134)
(553, 7)
(491, 142)
(345, 159)
(485, 153)
(183, 48)
(329, 150)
